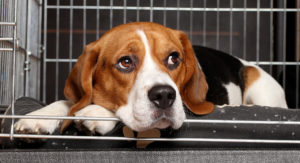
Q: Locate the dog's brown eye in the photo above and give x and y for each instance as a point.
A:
(126, 64)
(173, 60)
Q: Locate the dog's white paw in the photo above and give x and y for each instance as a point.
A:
(41, 126)
(101, 127)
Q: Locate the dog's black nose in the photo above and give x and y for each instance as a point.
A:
(163, 96)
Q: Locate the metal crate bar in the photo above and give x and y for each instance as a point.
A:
(254, 62)
(298, 54)
(245, 30)
(257, 31)
(274, 63)
(60, 60)
(6, 39)
(7, 23)
(176, 8)
(213, 121)
(7, 49)
(203, 25)
(13, 70)
(267, 141)
(284, 45)
(111, 13)
(44, 52)
(71, 36)
(191, 21)
(230, 26)
(271, 37)
(218, 26)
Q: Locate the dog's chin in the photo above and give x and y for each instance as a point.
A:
(162, 123)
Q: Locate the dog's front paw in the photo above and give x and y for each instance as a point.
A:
(43, 126)
(93, 127)
(36, 126)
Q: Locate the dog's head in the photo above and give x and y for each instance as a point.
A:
(143, 72)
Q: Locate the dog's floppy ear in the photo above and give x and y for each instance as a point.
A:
(79, 84)
(194, 88)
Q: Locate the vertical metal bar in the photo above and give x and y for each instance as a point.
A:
(111, 14)
(230, 27)
(257, 31)
(297, 54)
(271, 38)
(125, 12)
(165, 13)
(39, 50)
(57, 51)
(13, 71)
(178, 16)
(138, 11)
(28, 53)
(71, 36)
(98, 20)
(191, 20)
(284, 45)
(151, 10)
(45, 51)
(245, 30)
(218, 26)
(84, 25)
(204, 24)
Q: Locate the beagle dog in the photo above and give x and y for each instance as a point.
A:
(143, 73)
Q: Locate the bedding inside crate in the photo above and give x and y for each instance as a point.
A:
(188, 130)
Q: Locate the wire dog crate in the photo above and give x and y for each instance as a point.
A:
(50, 35)
(20, 31)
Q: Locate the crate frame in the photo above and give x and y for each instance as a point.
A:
(151, 9)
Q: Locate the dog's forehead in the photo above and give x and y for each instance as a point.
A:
(125, 32)
(126, 39)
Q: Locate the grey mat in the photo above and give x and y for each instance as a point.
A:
(178, 156)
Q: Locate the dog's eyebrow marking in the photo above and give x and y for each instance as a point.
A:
(151, 66)
(145, 42)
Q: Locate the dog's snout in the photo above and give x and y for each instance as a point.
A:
(163, 96)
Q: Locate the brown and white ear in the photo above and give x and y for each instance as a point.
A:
(78, 86)
(194, 88)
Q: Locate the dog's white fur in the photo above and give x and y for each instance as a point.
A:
(261, 90)
(58, 108)
(234, 94)
(101, 127)
(61, 108)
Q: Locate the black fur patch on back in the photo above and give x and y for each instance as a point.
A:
(219, 68)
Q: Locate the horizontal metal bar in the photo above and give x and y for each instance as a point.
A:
(117, 119)
(60, 60)
(275, 63)
(176, 8)
(115, 138)
(8, 23)
(94, 31)
(6, 39)
(58, 117)
(6, 49)
(254, 62)
(242, 122)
